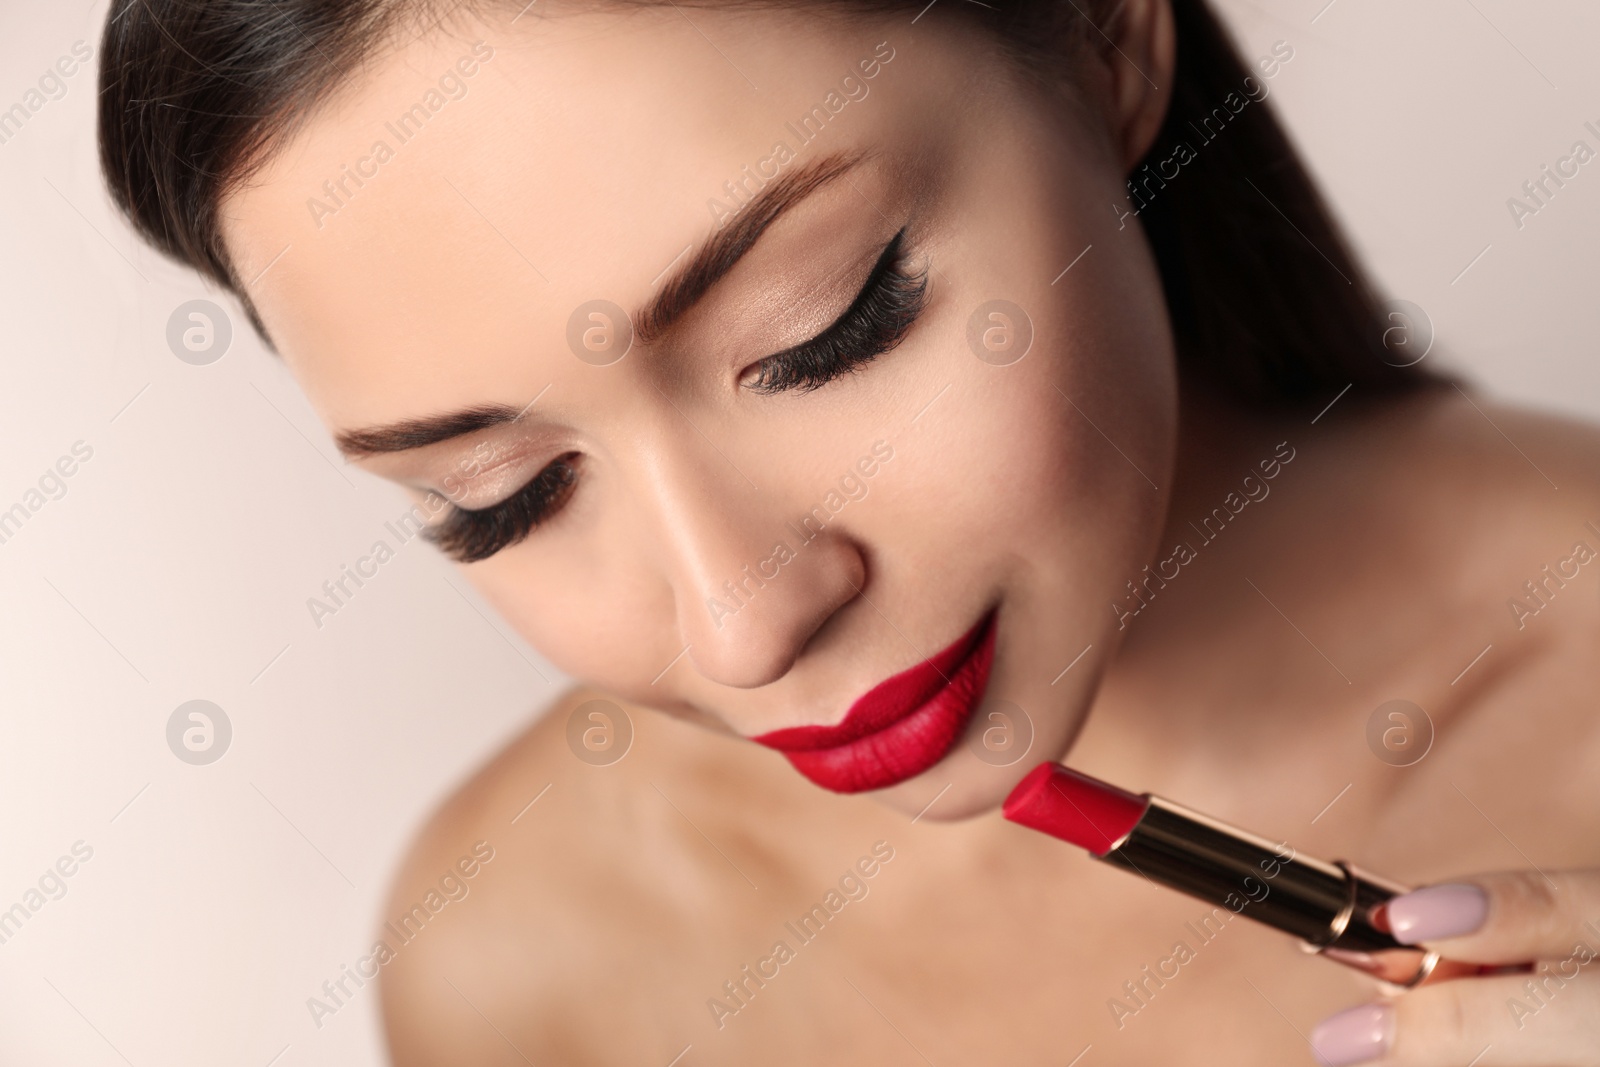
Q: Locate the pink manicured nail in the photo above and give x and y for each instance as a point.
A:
(1355, 1035)
(1436, 912)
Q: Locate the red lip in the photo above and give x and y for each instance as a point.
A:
(901, 727)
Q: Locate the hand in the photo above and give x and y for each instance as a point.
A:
(1549, 1018)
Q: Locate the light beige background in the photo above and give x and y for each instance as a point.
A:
(178, 564)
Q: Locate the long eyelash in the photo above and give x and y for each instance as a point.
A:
(468, 536)
(876, 322)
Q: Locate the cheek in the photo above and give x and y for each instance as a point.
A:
(1064, 454)
(1058, 463)
(589, 603)
(1015, 481)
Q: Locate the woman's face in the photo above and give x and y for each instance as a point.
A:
(656, 257)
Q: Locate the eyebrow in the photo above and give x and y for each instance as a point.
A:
(687, 285)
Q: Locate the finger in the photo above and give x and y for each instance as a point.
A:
(1504, 917)
(1509, 1021)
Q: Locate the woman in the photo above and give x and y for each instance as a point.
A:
(922, 391)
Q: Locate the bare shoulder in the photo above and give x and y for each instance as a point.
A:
(1553, 459)
(1489, 514)
(1523, 488)
(482, 912)
(441, 909)
(1458, 446)
(1441, 549)
(572, 859)
(1471, 497)
(1448, 545)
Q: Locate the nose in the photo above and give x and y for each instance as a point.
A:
(753, 575)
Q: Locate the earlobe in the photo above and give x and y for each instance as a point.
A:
(1141, 53)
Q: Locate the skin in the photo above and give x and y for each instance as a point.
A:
(578, 166)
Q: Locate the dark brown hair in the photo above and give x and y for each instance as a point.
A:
(1267, 302)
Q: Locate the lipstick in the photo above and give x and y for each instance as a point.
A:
(902, 726)
(1336, 910)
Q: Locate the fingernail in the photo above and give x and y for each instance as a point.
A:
(1355, 1035)
(1436, 912)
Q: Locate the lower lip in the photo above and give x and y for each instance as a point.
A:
(893, 747)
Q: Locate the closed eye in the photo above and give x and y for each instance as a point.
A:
(468, 536)
(875, 322)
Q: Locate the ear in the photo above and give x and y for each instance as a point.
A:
(1139, 48)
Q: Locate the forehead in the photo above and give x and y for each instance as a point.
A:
(472, 187)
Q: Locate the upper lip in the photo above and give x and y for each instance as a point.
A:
(901, 727)
(886, 703)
